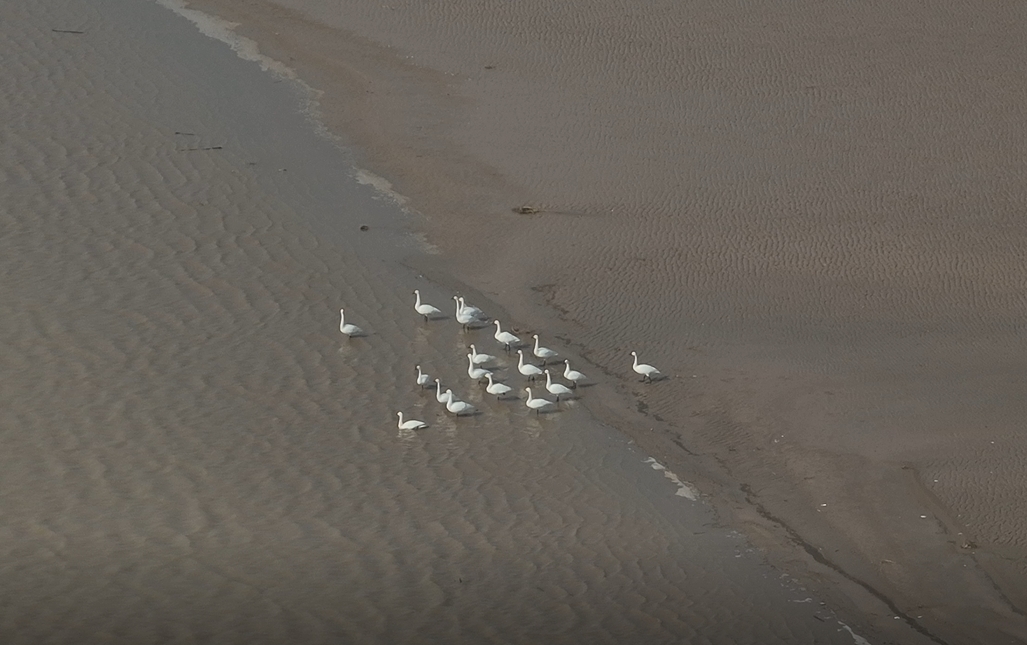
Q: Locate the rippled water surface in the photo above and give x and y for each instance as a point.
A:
(191, 452)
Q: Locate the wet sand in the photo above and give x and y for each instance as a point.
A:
(193, 453)
(809, 215)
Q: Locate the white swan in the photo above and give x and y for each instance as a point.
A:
(647, 371)
(476, 373)
(543, 352)
(496, 388)
(572, 375)
(535, 403)
(471, 309)
(457, 406)
(505, 337)
(527, 369)
(440, 396)
(479, 358)
(424, 308)
(346, 328)
(422, 378)
(556, 388)
(412, 424)
(462, 316)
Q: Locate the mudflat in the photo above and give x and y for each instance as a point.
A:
(809, 216)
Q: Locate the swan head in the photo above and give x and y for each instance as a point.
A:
(547, 372)
(497, 323)
(437, 382)
(417, 367)
(567, 362)
(520, 352)
(535, 336)
(634, 354)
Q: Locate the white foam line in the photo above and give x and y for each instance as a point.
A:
(381, 185)
(224, 31)
(685, 489)
(859, 640)
(247, 49)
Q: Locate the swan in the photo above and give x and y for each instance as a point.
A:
(527, 369)
(496, 388)
(543, 352)
(535, 403)
(471, 309)
(440, 396)
(346, 328)
(476, 373)
(412, 424)
(480, 359)
(647, 371)
(505, 337)
(462, 316)
(424, 308)
(556, 388)
(456, 406)
(572, 375)
(422, 378)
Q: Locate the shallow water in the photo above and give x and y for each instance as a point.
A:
(192, 452)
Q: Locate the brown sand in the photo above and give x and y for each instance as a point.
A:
(810, 215)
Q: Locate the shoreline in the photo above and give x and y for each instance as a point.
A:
(740, 503)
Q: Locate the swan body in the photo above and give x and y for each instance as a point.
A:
(527, 369)
(440, 396)
(470, 309)
(556, 388)
(543, 352)
(424, 308)
(462, 315)
(410, 424)
(647, 371)
(346, 328)
(505, 338)
(422, 378)
(536, 403)
(476, 373)
(572, 375)
(457, 406)
(479, 358)
(496, 388)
